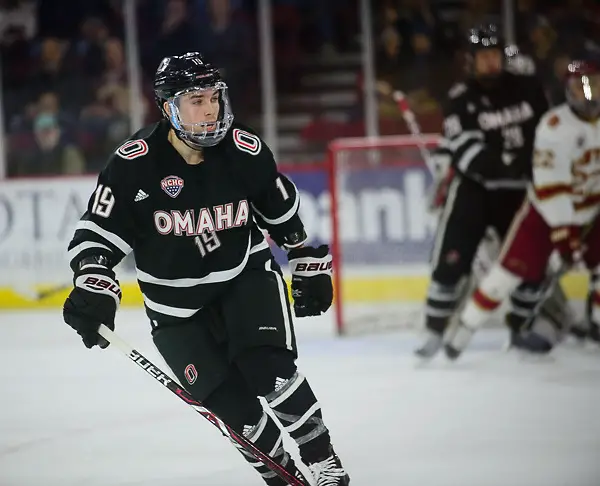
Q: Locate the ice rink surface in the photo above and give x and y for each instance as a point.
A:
(76, 417)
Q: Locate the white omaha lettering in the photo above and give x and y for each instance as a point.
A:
(206, 220)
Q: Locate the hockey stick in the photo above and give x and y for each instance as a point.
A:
(412, 124)
(238, 440)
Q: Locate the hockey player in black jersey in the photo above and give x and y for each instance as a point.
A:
(489, 127)
(187, 196)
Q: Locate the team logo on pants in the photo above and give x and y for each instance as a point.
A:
(190, 374)
(172, 185)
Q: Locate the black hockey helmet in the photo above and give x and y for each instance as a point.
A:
(582, 87)
(483, 37)
(180, 77)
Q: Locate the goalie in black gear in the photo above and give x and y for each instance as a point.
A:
(186, 196)
(489, 127)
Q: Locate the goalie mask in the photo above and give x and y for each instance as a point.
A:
(192, 96)
(582, 88)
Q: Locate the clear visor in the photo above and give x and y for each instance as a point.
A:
(202, 116)
(583, 95)
(584, 88)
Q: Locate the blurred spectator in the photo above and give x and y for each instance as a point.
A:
(53, 73)
(226, 42)
(107, 118)
(176, 35)
(114, 61)
(409, 57)
(478, 12)
(336, 24)
(49, 153)
(17, 27)
(89, 47)
(17, 20)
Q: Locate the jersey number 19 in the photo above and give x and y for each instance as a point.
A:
(207, 243)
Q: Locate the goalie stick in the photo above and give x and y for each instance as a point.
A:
(238, 440)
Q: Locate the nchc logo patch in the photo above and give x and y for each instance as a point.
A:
(172, 185)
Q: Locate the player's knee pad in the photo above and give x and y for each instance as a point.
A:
(264, 366)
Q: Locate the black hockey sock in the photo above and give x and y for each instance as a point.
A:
(272, 373)
(238, 406)
(266, 435)
(524, 300)
(442, 301)
(296, 406)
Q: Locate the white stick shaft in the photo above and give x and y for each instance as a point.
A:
(115, 340)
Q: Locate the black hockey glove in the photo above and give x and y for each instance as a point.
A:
(94, 301)
(311, 280)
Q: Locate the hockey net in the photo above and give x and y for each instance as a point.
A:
(382, 232)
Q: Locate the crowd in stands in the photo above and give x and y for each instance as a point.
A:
(419, 46)
(65, 90)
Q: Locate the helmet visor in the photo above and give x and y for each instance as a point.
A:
(583, 94)
(202, 116)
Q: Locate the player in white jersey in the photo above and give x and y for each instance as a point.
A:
(561, 213)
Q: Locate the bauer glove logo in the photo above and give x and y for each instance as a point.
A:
(95, 283)
(316, 267)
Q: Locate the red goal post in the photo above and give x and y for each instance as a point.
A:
(382, 231)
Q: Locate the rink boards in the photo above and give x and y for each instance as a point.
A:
(403, 288)
(385, 238)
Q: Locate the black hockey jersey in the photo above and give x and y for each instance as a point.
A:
(489, 132)
(191, 228)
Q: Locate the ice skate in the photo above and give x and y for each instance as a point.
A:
(532, 342)
(433, 343)
(329, 471)
(459, 341)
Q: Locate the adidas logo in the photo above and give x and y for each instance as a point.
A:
(140, 195)
(279, 383)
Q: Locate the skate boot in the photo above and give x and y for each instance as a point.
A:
(433, 343)
(271, 479)
(579, 332)
(532, 342)
(459, 341)
(329, 471)
(515, 324)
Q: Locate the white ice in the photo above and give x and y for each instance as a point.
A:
(70, 416)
